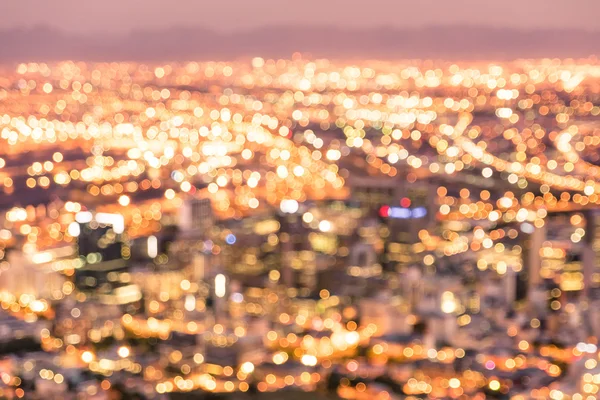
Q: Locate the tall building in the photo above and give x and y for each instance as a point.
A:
(411, 212)
(103, 251)
(196, 215)
(291, 240)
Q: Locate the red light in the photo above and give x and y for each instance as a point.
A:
(405, 202)
(384, 211)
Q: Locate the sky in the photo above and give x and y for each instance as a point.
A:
(118, 16)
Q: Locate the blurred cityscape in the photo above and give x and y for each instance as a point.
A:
(365, 230)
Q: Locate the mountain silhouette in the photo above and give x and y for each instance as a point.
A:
(42, 43)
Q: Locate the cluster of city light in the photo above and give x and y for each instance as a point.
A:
(133, 141)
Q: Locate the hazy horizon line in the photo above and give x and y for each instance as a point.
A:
(448, 41)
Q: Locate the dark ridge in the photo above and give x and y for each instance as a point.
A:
(449, 42)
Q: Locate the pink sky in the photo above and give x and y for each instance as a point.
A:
(230, 15)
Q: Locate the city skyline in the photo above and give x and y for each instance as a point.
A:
(362, 230)
(260, 200)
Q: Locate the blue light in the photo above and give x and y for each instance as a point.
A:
(177, 176)
(399, 212)
(230, 239)
(406, 213)
(419, 212)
